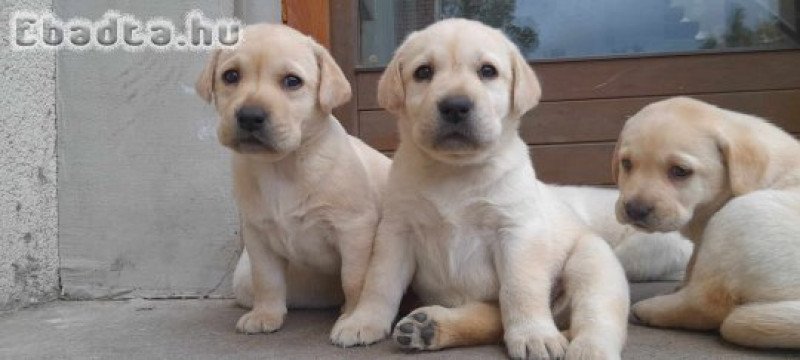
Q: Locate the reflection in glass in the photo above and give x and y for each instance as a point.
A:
(547, 29)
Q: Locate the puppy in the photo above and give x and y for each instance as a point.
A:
(467, 224)
(731, 183)
(308, 193)
(644, 256)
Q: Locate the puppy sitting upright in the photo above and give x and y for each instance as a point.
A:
(467, 224)
(308, 193)
(731, 183)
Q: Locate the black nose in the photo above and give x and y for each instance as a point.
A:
(251, 118)
(637, 211)
(455, 109)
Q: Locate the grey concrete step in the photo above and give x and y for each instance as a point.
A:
(204, 329)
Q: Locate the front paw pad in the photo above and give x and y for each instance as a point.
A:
(259, 322)
(416, 331)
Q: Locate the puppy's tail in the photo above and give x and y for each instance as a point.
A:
(764, 325)
(242, 282)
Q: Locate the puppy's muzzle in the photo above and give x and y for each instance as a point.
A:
(455, 109)
(455, 130)
(252, 133)
(251, 119)
(638, 212)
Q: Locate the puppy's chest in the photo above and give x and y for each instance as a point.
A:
(295, 225)
(455, 246)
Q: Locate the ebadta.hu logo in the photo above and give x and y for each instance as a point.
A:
(116, 30)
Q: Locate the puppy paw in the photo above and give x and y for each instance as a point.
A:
(584, 348)
(537, 342)
(417, 331)
(356, 330)
(644, 313)
(259, 321)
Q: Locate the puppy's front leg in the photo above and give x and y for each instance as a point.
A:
(355, 248)
(525, 268)
(390, 270)
(597, 290)
(269, 286)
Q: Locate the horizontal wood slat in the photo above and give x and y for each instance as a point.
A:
(574, 164)
(601, 120)
(378, 129)
(664, 76)
(577, 164)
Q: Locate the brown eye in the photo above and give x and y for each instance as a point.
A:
(487, 72)
(423, 73)
(292, 82)
(626, 164)
(679, 173)
(230, 77)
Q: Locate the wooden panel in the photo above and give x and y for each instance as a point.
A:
(344, 48)
(576, 164)
(311, 17)
(602, 120)
(378, 129)
(573, 164)
(671, 75)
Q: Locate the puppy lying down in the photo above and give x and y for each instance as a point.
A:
(731, 183)
(644, 256)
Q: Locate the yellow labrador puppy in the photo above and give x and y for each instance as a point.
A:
(644, 256)
(466, 222)
(731, 183)
(308, 193)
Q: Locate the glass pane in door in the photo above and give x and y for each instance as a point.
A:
(559, 29)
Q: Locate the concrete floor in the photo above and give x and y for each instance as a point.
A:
(204, 329)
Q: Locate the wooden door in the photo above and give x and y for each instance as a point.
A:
(587, 99)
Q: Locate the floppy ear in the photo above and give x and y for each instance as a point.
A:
(205, 83)
(525, 88)
(615, 162)
(391, 90)
(746, 160)
(334, 89)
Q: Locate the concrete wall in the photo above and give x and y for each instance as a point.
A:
(145, 195)
(28, 220)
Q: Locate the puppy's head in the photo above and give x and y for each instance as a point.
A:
(272, 91)
(459, 88)
(677, 156)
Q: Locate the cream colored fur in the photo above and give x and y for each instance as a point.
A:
(741, 207)
(310, 199)
(469, 227)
